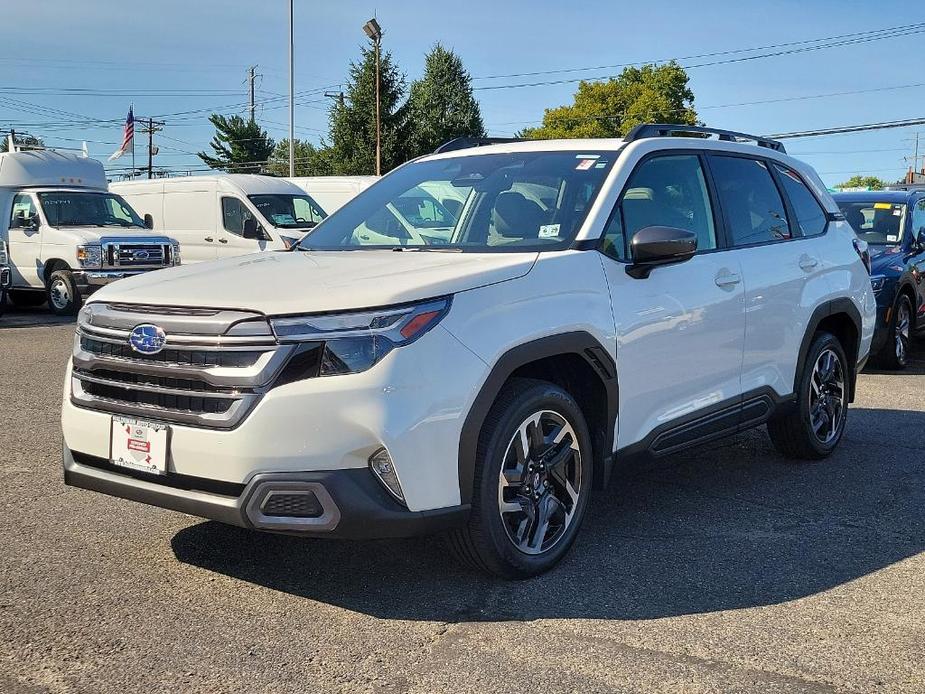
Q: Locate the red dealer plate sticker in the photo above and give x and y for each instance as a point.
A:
(139, 445)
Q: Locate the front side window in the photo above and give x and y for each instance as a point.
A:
(751, 202)
(918, 218)
(666, 191)
(80, 209)
(23, 211)
(234, 214)
(520, 201)
(877, 223)
(810, 216)
(288, 211)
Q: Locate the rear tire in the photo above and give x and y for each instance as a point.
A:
(812, 427)
(532, 482)
(25, 298)
(895, 353)
(63, 295)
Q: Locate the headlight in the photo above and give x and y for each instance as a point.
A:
(877, 282)
(89, 256)
(3, 257)
(175, 253)
(354, 342)
(288, 241)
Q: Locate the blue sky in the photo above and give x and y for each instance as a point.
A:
(197, 52)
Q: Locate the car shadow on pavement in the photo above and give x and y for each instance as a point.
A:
(32, 317)
(727, 527)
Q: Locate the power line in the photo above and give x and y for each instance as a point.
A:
(884, 125)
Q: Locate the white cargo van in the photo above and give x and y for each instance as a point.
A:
(66, 234)
(332, 192)
(219, 216)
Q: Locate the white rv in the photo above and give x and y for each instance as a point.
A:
(66, 234)
(219, 216)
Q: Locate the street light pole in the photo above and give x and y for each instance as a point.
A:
(374, 32)
(291, 96)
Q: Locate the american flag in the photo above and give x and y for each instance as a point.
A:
(127, 137)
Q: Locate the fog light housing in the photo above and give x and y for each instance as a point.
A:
(380, 463)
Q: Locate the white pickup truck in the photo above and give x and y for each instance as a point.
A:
(66, 235)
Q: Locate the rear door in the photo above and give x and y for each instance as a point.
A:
(681, 330)
(783, 271)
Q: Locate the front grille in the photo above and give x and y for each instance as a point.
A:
(180, 357)
(189, 404)
(203, 377)
(124, 253)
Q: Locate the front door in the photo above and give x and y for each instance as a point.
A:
(25, 242)
(681, 330)
(231, 239)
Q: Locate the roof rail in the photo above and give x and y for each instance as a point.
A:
(466, 142)
(668, 129)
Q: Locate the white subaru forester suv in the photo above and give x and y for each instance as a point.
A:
(592, 301)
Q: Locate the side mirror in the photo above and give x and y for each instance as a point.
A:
(251, 230)
(149, 221)
(33, 222)
(657, 245)
(921, 237)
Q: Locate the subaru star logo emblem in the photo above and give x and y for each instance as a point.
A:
(140, 255)
(147, 339)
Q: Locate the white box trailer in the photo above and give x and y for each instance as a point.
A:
(223, 215)
(66, 234)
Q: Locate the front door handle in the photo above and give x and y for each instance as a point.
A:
(808, 264)
(726, 279)
(223, 240)
(209, 239)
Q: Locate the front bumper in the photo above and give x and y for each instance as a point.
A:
(354, 505)
(89, 281)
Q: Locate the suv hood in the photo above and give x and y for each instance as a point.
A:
(279, 283)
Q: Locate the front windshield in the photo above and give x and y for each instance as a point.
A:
(502, 202)
(288, 211)
(68, 208)
(877, 223)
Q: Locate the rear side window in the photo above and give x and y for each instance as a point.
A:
(751, 203)
(810, 216)
(664, 191)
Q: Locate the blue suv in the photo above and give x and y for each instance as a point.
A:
(892, 223)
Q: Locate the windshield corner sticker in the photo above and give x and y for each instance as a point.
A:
(548, 231)
(897, 212)
(892, 238)
(882, 206)
(585, 164)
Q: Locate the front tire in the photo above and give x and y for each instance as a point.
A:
(532, 482)
(63, 295)
(813, 426)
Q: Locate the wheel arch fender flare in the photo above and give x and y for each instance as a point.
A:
(578, 343)
(53, 265)
(825, 310)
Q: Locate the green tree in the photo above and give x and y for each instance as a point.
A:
(21, 140)
(868, 182)
(309, 159)
(647, 94)
(239, 145)
(353, 124)
(440, 104)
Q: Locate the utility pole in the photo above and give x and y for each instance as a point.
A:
(291, 95)
(150, 127)
(374, 32)
(251, 78)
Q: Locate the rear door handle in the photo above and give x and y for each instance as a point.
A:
(726, 279)
(808, 264)
(209, 239)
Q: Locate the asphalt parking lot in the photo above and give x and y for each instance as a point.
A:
(727, 569)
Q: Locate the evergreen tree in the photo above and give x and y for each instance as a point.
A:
(440, 104)
(309, 159)
(239, 145)
(353, 124)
